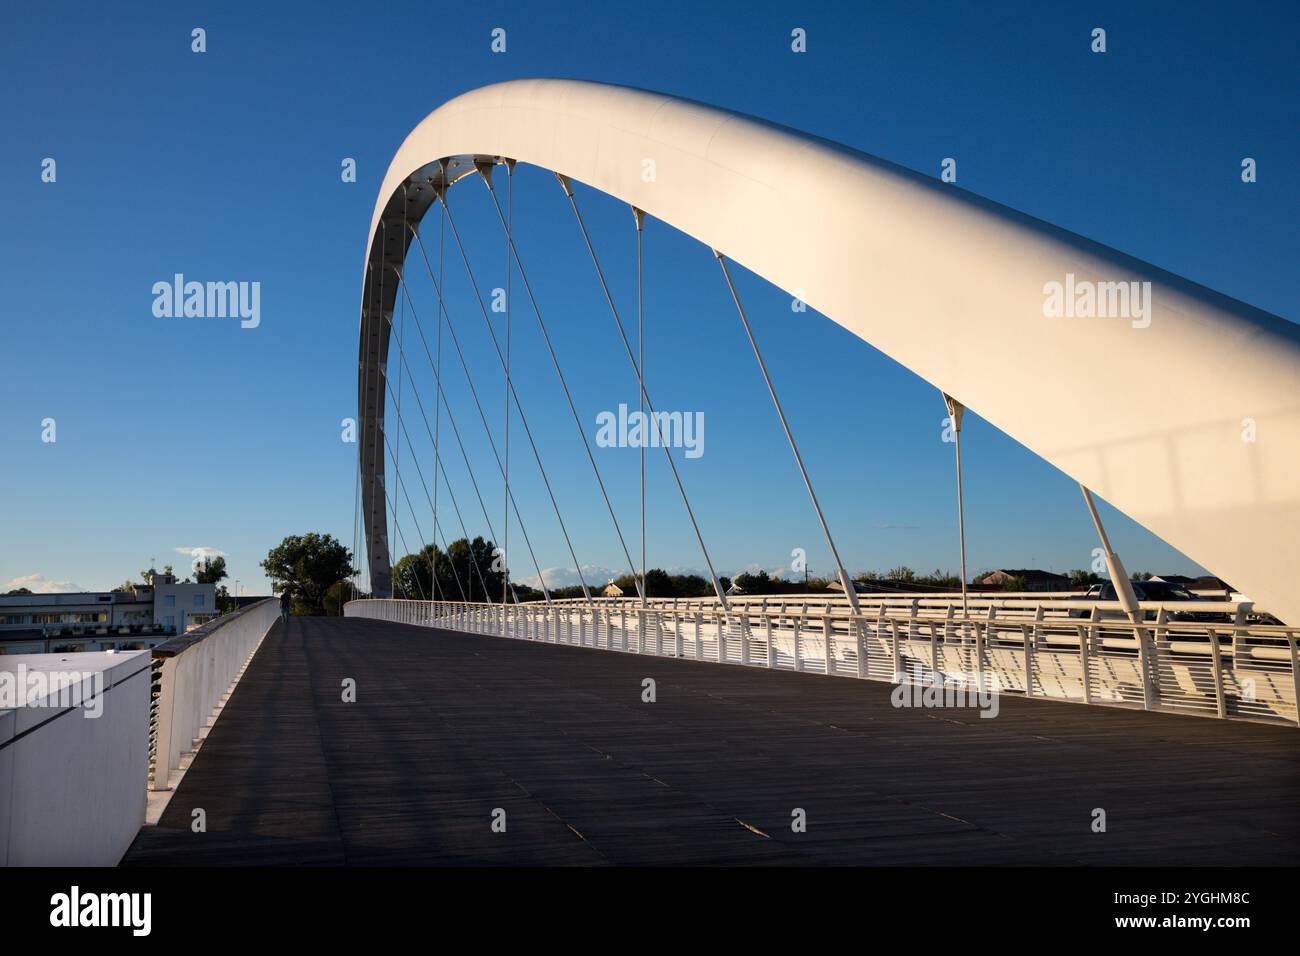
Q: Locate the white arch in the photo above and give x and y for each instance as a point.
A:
(1155, 419)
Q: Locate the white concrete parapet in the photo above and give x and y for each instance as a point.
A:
(74, 747)
(195, 672)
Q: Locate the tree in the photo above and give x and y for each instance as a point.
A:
(461, 573)
(18, 591)
(306, 566)
(211, 571)
(339, 594)
(754, 582)
(1081, 580)
(147, 576)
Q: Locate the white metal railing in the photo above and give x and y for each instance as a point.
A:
(979, 604)
(1160, 664)
(191, 674)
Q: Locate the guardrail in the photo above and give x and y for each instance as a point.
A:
(1225, 670)
(191, 675)
(978, 604)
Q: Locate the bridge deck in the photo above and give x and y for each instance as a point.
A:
(447, 727)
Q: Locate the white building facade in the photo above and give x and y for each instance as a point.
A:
(100, 620)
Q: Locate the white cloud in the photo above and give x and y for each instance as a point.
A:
(40, 584)
(780, 571)
(203, 551)
(563, 577)
(200, 554)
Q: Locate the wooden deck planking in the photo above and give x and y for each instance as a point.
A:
(447, 727)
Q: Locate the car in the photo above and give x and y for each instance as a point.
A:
(1153, 591)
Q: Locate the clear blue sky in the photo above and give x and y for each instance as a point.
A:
(225, 166)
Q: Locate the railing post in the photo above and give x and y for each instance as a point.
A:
(699, 628)
(744, 636)
(828, 651)
(860, 630)
(1144, 662)
(934, 649)
(1085, 636)
(1220, 698)
(722, 637)
(1291, 639)
(771, 649)
(1029, 658)
(893, 639)
(678, 648)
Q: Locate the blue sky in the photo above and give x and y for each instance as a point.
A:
(175, 434)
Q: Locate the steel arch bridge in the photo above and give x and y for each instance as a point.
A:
(950, 285)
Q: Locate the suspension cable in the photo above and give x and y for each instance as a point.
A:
(356, 495)
(514, 394)
(523, 419)
(681, 488)
(550, 347)
(846, 583)
(437, 529)
(436, 525)
(396, 527)
(437, 412)
(375, 458)
(437, 457)
(441, 394)
(505, 505)
(401, 331)
(414, 520)
(639, 218)
(455, 505)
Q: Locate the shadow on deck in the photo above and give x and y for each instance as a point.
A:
(447, 728)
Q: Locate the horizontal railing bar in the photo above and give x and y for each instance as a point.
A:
(1200, 667)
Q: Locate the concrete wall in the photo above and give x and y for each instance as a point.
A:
(72, 786)
(198, 670)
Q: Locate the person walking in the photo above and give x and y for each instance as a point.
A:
(286, 601)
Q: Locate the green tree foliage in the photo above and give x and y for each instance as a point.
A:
(457, 574)
(660, 584)
(211, 571)
(307, 566)
(903, 578)
(339, 594)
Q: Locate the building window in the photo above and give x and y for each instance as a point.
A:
(198, 600)
(170, 621)
(169, 600)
